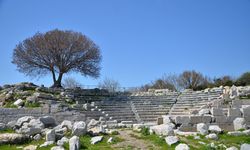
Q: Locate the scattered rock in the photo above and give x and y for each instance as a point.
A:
(67, 124)
(37, 137)
(19, 102)
(212, 136)
(13, 138)
(182, 147)
(138, 127)
(163, 129)
(57, 148)
(35, 126)
(47, 143)
(204, 112)
(50, 135)
(30, 147)
(215, 129)
(110, 140)
(74, 143)
(245, 147)
(22, 120)
(239, 123)
(171, 140)
(62, 141)
(202, 128)
(79, 128)
(232, 148)
(235, 133)
(48, 121)
(96, 139)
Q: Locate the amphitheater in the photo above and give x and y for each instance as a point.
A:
(221, 108)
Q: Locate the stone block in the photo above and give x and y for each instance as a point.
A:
(206, 119)
(221, 119)
(182, 120)
(235, 112)
(246, 112)
(196, 119)
(217, 112)
(159, 120)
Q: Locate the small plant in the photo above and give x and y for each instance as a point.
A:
(145, 131)
(114, 132)
(241, 130)
(32, 105)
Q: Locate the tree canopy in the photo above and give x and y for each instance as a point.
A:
(57, 52)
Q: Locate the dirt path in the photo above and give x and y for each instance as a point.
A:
(131, 142)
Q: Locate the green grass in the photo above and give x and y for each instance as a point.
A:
(7, 130)
(32, 105)
(9, 104)
(15, 146)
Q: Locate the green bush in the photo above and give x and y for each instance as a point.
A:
(145, 131)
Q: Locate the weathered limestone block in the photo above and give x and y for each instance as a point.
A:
(217, 112)
(195, 119)
(182, 120)
(246, 113)
(202, 128)
(207, 119)
(235, 112)
(239, 123)
(221, 119)
(112, 124)
(163, 129)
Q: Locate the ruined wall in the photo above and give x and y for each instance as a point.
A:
(12, 114)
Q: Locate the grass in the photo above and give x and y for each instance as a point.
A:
(7, 130)
(15, 146)
(32, 105)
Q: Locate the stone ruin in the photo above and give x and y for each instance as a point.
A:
(166, 112)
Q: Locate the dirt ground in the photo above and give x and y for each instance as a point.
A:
(131, 142)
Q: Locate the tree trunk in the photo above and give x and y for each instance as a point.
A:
(58, 82)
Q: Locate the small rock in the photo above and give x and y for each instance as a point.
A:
(202, 128)
(74, 143)
(57, 148)
(67, 124)
(182, 147)
(47, 143)
(96, 139)
(48, 121)
(235, 133)
(37, 137)
(171, 140)
(204, 112)
(30, 147)
(232, 148)
(215, 129)
(245, 147)
(13, 138)
(19, 102)
(79, 128)
(62, 141)
(239, 123)
(22, 120)
(110, 140)
(50, 135)
(212, 136)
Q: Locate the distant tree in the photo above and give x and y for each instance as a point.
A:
(162, 84)
(224, 81)
(71, 83)
(244, 79)
(57, 52)
(109, 84)
(172, 79)
(190, 79)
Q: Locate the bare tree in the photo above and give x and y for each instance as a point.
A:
(57, 52)
(190, 79)
(109, 84)
(71, 83)
(172, 79)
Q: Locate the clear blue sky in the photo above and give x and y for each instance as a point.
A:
(140, 40)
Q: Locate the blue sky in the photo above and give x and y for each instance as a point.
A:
(140, 40)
